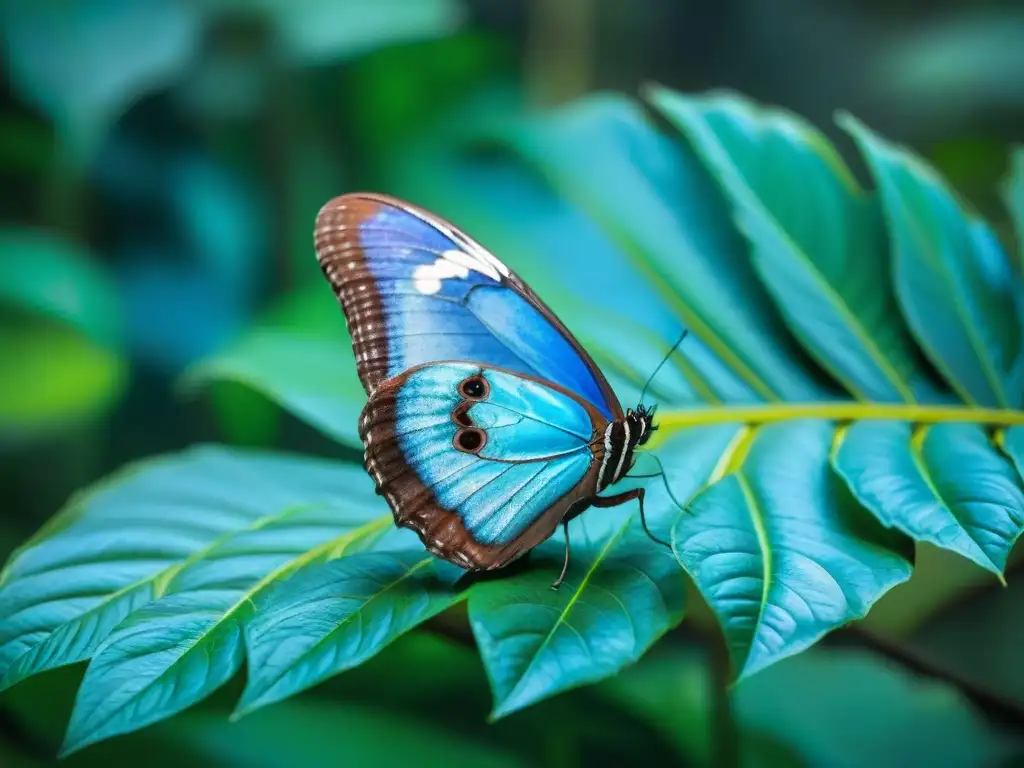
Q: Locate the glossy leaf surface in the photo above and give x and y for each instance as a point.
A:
(778, 548)
(334, 616)
(953, 280)
(622, 592)
(943, 484)
(818, 242)
(664, 211)
(154, 576)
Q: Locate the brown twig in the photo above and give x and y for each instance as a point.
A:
(993, 705)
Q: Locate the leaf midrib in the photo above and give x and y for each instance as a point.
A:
(344, 541)
(841, 411)
(876, 153)
(319, 643)
(757, 520)
(967, 323)
(867, 341)
(563, 616)
(916, 451)
(160, 579)
(690, 318)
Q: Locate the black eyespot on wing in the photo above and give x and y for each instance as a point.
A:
(470, 440)
(461, 415)
(474, 388)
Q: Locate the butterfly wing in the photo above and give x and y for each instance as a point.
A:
(415, 289)
(482, 463)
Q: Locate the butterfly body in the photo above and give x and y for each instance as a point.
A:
(486, 424)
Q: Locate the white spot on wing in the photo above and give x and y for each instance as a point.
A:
(472, 261)
(427, 278)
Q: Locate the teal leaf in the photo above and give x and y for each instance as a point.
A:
(1013, 445)
(170, 524)
(84, 64)
(52, 379)
(659, 205)
(818, 242)
(945, 484)
(127, 685)
(953, 281)
(334, 616)
(181, 648)
(621, 593)
(779, 549)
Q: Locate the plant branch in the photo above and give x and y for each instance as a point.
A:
(838, 411)
(993, 705)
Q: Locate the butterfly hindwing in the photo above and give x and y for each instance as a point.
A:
(415, 290)
(483, 463)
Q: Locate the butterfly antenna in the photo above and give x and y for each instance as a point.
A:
(663, 361)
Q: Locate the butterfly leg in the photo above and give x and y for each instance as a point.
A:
(622, 498)
(565, 565)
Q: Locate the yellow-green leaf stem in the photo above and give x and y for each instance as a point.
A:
(670, 421)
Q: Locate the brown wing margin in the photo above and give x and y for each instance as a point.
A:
(342, 261)
(414, 505)
(341, 258)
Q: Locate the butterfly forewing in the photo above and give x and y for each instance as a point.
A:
(414, 289)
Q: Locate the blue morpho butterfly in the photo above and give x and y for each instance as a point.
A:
(487, 423)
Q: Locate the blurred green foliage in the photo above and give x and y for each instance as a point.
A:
(162, 165)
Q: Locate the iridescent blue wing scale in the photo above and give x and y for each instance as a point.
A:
(415, 289)
(481, 462)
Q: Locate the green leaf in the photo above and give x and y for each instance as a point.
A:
(818, 242)
(778, 549)
(953, 280)
(61, 343)
(621, 593)
(657, 203)
(52, 378)
(85, 63)
(334, 616)
(205, 528)
(942, 484)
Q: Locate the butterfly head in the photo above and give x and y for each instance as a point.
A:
(641, 422)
